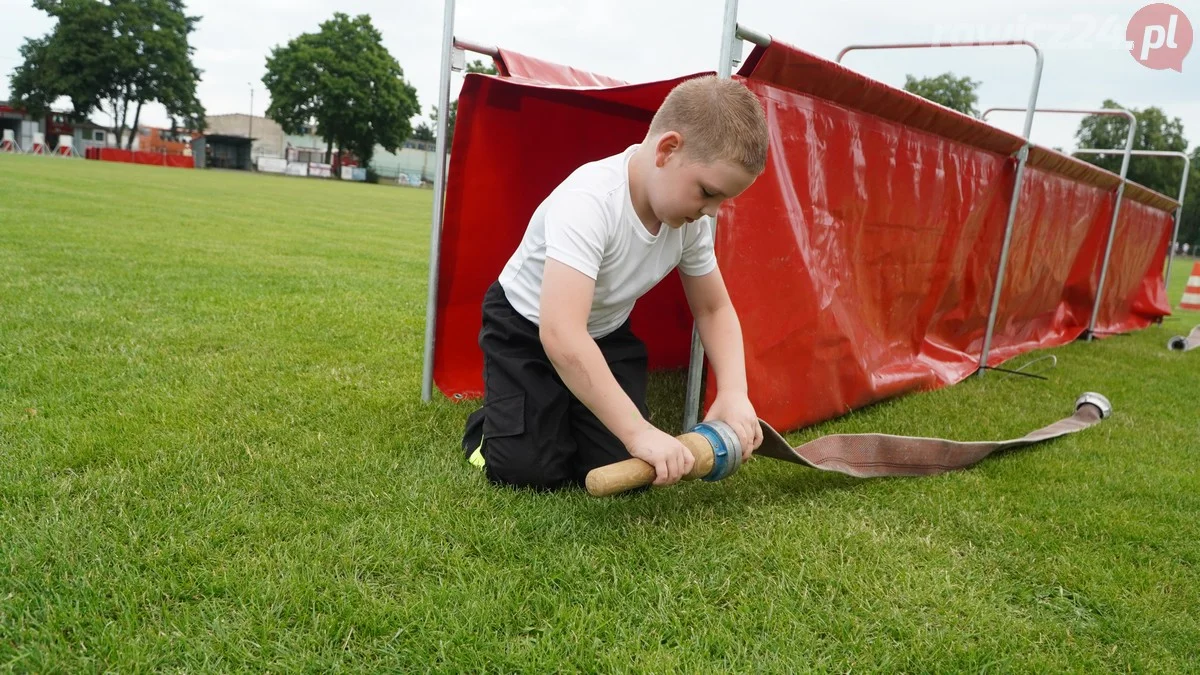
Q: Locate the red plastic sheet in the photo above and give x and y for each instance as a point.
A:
(524, 67)
(138, 157)
(796, 70)
(1134, 292)
(513, 144)
(1058, 238)
(862, 263)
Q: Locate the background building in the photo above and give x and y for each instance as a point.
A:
(217, 151)
(267, 135)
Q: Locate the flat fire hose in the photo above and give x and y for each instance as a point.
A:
(718, 453)
(1180, 343)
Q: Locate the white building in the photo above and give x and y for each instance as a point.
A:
(267, 134)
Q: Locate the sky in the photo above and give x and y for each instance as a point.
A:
(1086, 56)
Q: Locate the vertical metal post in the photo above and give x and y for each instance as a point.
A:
(1002, 266)
(728, 36)
(1022, 158)
(1018, 181)
(1183, 181)
(1187, 169)
(1033, 91)
(1112, 230)
(439, 190)
(1120, 189)
(695, 377)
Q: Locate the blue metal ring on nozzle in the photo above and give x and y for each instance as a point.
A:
(720, 453)
(726, 459)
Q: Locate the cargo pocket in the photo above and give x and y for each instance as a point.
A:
(504, 416)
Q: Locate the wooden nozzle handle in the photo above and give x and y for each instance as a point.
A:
(635, 473)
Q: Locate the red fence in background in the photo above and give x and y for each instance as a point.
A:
(138, 157)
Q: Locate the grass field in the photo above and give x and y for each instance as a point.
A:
(213, 456)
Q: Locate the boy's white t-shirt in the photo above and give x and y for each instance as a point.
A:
(588, 222)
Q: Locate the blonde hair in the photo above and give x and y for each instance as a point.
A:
(718, 119)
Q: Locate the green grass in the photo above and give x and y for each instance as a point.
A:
(213, 456)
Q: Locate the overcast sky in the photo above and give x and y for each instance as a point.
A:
(1086, 59)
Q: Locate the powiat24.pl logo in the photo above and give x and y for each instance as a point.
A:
(1159, 36)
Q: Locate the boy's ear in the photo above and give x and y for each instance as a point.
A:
(668, 144)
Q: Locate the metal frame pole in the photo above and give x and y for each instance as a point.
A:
(1005, 249)
(477, 47)
(1112, 230)
(1022, 158)
(450, 45)
(695, 376)
(750, 35)
(728, 36)
(731, 50)
(1187, 170)
(439, 191)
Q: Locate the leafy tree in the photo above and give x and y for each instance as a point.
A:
(424, 133)
(343, 79)
(477, 66)
(36, 82)
(956, 93)
(114, 56)
(1155, 131)
(1189, 226)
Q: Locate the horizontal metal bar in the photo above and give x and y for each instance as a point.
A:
(751, 35)
(1143, 153)
(1039, 61)
(928, 45)
(1183, 181)
(477, 47)
(1112, 230)
(1081, 111)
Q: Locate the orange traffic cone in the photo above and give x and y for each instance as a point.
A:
(1191, 294)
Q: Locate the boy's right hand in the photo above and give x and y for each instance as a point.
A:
(670, 458)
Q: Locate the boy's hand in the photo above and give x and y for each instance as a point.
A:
(737, 411)
(670, 458)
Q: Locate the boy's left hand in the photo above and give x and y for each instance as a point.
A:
(737, 411)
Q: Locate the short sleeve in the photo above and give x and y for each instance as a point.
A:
(698, 257)
(576, 231)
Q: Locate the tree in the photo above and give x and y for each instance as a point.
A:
(475, 66)
(1154, 132)
(1189, 224)
(424, 133)
(114, 56)
(36, 83)
(956, 93)
(343, 79)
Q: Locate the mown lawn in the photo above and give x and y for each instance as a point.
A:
(213, 456)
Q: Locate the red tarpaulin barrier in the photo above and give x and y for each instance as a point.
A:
(1134, 292)
(507, 155)
(862, 263)
(524, 67)
(139, 157)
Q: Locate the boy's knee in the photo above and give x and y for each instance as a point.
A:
(512, 462)
(527, 477)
